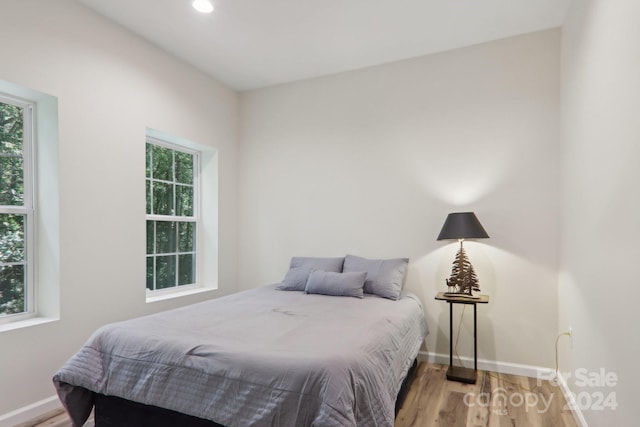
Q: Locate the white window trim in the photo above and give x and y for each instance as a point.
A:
(27, 209)
(195, 218)
(43, 268)
(206, 205)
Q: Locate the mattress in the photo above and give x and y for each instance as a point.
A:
(261, 357)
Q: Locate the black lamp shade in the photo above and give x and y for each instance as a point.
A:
(462, 225)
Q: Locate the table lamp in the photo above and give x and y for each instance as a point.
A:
(462, 225)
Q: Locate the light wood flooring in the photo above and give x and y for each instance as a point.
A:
(56, 418)
(496, 400)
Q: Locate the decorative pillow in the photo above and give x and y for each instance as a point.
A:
(384, 276)
(301, 267)
(336, 284)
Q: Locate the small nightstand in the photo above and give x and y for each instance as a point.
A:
(459, 373)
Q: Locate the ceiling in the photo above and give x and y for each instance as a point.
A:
(249, 44)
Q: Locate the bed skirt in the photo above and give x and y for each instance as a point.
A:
(111, 411)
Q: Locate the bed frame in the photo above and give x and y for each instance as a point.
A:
(111, 411)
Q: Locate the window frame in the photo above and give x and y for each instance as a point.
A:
(28, 208)
(195, 218)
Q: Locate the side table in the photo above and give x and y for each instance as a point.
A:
(459, 373)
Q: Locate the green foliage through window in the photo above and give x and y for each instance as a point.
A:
(11, 168)
(13, 260)
(171, 219)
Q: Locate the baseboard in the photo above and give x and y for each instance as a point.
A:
(577, 413)
(490, 365)
(29, 412)
(509, 368)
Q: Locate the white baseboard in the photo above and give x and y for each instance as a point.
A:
(30, 412)
(490, 365)
(508, 368)
(577, 413)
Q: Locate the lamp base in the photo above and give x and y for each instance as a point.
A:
(463, 278)
(460, 374)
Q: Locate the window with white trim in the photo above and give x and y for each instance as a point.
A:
(16, 208)
(172, 193)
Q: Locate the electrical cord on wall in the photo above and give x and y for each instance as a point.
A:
(455, 347)
(557, 363)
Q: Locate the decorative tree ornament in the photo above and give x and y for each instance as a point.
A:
(463, 280)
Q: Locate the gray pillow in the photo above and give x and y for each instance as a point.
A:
(336, 284)
(384, 276)
(301, 267)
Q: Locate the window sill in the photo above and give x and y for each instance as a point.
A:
(171, 295)
(26, 323)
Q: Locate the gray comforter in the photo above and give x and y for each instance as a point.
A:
(263, 357)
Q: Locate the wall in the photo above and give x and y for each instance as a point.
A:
(370, 162)
(601, 230)
(110, 86)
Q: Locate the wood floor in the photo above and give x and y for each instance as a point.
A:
(496, 400)
(56, 418)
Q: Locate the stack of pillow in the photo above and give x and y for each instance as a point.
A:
(346, 276)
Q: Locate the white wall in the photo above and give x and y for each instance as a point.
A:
(110, 86)
(601, 226)
(370, 162)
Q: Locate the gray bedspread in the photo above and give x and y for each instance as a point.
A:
(262, 357)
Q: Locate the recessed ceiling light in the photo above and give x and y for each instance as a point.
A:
(202, 6)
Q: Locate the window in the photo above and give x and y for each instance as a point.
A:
(16, 208)
(172, 177)
(29, 208)
(182, 216)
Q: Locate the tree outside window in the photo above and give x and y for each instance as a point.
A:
(14, 208)
(172, 222)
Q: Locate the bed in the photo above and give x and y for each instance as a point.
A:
(263, 357)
